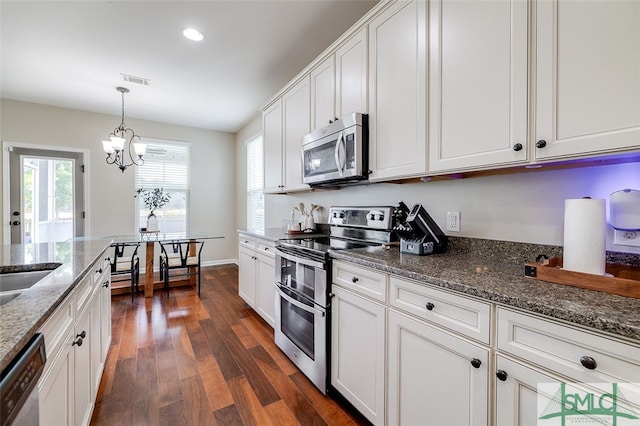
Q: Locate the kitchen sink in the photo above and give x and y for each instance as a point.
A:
(14, 283)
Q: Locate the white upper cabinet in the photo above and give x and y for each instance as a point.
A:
(272, 140)
(587, 78)
(478, 61)
(284, 124)
(339, 83)
(323, 93)
(351, 75)
(397, 90)
(296, 124)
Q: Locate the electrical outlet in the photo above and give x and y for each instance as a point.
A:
(626, 238)
(453, 221)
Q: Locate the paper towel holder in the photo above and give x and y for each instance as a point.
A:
(624, 210)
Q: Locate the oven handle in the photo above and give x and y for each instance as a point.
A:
(295, 302)
(299, 259)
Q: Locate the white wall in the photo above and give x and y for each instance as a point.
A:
(526, 207)
(111, 204)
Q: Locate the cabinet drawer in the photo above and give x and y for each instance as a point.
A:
(100, 269)
(58, 326)
(560, 348)
(469, 317)
(361, 280)
(83, 291)
(267, 248)
(246, 241)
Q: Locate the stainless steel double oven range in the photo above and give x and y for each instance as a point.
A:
(303, 282)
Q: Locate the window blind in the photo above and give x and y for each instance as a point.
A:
(166, 166)
(255, 184)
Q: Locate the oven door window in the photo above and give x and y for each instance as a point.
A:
(298, 324)
(298, 277)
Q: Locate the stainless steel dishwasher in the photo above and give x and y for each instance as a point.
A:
(18, 392)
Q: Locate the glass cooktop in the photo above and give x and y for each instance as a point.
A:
(323, 244)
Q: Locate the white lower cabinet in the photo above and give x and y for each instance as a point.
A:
(82, 372)
(105, 314)
(435, 378)
(266, 290)
(456, 360)
(77, 333)
(247, 275)
(358, 352)
(256, 275)
(516, 400)
(56, 387)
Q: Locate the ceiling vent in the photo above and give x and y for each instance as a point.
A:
(136, 80)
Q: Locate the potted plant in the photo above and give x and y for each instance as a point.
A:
(153, 199)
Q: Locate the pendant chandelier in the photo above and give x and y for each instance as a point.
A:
(115, 146)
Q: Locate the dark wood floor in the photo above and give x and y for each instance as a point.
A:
(184, 360)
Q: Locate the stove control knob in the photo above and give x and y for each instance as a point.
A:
(371, 216)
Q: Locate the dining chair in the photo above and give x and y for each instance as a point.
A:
(180, 255)
(125, 261)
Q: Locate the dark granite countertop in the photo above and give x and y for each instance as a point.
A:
(22, 317)
(499, 277)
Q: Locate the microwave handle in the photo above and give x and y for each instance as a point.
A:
(339, 163)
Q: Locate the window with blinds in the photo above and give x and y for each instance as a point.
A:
(166, 166)
(255, 184)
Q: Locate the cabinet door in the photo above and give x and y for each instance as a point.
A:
(323, 94)
(105, 316)
(246, 276)
(357, 352)
(265, 276)
(478, 53)
(587, 78)
(296, 110)
(272, 140)
(351, 75)
(94, 338)
(398, 93)
(82, 376)
(435, 377)
(55, 389)
(516, 397)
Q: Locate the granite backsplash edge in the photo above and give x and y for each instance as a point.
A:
(520, 253)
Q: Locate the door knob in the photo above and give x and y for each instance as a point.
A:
(517, 147)
(15, 222)
(541, 143)
(501, 375)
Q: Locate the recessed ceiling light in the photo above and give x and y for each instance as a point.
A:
(192, 34)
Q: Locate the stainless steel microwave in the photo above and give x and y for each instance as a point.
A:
(337, 152)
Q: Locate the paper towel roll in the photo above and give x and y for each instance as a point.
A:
(585, 236)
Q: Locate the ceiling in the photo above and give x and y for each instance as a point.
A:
(72, 54)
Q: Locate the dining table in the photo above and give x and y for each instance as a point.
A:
(150, 238)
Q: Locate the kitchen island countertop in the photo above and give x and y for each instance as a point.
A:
(21, 318)
(503, 282)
